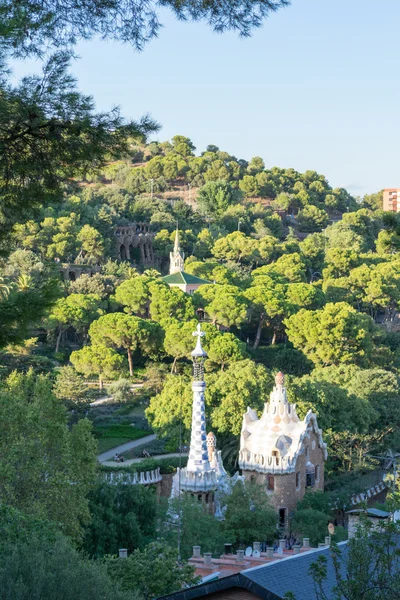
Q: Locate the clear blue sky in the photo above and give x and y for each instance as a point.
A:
(317, 87)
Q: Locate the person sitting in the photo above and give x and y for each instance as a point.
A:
(116, 457)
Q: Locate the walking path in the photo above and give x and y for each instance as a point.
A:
(111, 463)
(104, 456)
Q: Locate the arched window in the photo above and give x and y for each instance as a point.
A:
(307, 451)
(270, 481)
(317, 473)
(298, 480)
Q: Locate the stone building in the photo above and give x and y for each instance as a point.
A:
(177, 276)
(282, 452)
(134, 243)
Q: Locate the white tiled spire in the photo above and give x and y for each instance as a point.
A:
(177, 257)
(198, 475)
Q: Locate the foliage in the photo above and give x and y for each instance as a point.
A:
(369, 566)
(97, 360)
(198, 527)
(120, 390)
(243, 384)
(249, 515)
(122, 516)
(151, 572)
(41, 455)
(41, 568)
(335, 334)
(70, 386)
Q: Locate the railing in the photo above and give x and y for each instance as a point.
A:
(143, 478)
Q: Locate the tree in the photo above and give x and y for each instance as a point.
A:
(228, 307)
(70, 386)
(369, 566)
(268, 305)
(179, 341)
(152, 572)
(53, 568)
(216, 196)
(288, 268)
(21, 308)
(42, 455)
(121, 391)
(76, 310)
(135, 295)
(92, 245)
(249, 515)
(31, 28)
(50, 132)
(313, 219)
(243, 384)
(169, 303)
(122, 516)
(118, 330)
(97, 360)
(305, 295)
(236, 247)
(333, 335)
(225, 349)
(336, 408)
(198, 527)
(171, 407)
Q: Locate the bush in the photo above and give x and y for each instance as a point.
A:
(121, 390)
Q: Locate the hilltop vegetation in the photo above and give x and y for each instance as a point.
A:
(303, 278)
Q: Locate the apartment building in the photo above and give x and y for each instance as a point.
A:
(391, 199)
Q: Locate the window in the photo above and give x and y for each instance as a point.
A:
(307, 451)
(275, 455)
(270, 483)
(282, 517)
(310, 479)
(317, 473)
(252, 478)
(313, 445)
(298, 480)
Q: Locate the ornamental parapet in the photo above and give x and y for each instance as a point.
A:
(144, 478)
(266, 464)
(201, 481)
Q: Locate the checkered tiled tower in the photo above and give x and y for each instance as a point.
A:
(198, 474)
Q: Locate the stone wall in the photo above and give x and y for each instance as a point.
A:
(285, 494)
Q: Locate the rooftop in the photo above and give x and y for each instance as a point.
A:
(183, 278)
(270, 581)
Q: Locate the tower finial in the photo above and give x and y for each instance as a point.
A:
(198, 352)
(280, 379)
(176, 244)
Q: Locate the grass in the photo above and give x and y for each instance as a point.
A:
(113, 435)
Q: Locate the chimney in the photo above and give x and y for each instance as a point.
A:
(306, 542)
(256, 546)
(239, 556)
(296, 549)
(196, 551)
(207, 558)
(123, 553)
(227, 548)
(282, 544)
(270, 552)
(328, 540)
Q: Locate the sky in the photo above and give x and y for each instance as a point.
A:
(317, 87)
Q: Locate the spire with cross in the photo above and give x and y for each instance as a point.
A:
(198, 454)
(177, 257)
